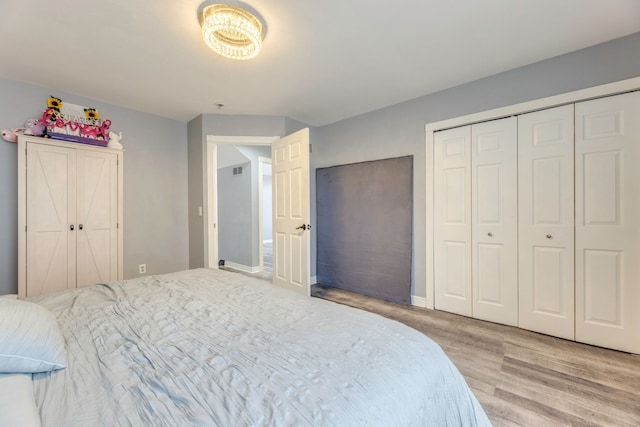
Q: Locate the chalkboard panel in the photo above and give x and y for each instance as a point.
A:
(364, 220)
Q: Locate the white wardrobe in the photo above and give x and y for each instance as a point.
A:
(69, 215)
(536, 221)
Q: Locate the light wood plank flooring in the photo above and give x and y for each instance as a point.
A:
(521, 377)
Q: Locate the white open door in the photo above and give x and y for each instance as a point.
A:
(291, 237)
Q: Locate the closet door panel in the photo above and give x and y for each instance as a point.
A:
(452, 220)
(546, 221)
(51, 248)
(494, 221)
(608, 222)
(97, 217)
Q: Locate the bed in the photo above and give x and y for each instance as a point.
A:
(215, 348)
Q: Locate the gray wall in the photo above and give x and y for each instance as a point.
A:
(155, 178)
(235, 215)
(399, 130)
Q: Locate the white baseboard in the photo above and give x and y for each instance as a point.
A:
(245, 268)
(314, 280)
(419, 301)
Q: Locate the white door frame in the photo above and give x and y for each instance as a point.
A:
(210, 211)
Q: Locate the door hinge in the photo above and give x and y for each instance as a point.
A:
(310, 148)
(25, 228)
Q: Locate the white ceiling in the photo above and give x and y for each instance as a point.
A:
(322, 60)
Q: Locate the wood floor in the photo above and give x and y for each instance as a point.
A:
(521, 377)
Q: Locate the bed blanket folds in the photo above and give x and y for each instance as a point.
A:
(214, 348)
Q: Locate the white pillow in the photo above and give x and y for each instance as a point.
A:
(17, 404)
(30, 338)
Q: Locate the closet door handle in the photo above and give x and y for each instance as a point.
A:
(80, 226)
(72, 227)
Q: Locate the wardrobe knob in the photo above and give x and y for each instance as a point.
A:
(72, 227)
(490, 234)
(549, 236)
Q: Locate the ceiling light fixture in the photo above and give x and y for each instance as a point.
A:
(231, 31)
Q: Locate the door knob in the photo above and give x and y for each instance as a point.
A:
(80, 226)
(72, 227)
(304, 227)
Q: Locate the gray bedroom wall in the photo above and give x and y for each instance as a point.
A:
(155, 177)
(399, 130)
(235, 215)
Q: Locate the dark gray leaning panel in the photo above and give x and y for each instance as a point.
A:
(364, 219)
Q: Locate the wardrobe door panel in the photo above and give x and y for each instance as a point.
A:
(608, 222)
(546, 221)
(97, 217)
(494, 221)
(452, 221)
(51, 219)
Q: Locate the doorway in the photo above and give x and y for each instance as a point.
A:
(291, 206)
(218, 148)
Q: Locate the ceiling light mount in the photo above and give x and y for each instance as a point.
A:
(231, 31)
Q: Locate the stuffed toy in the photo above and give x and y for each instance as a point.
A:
(11, 135)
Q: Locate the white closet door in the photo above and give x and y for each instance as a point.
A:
(608, 222)
(51, 215)
(546, 226)
(452, 220)
(97, 217)
(494, 221)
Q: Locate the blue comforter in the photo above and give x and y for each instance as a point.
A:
(214, 348)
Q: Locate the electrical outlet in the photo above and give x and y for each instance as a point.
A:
(142, 268)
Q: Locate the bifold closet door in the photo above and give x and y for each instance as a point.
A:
(545, 224)
(494, 221)
(51, 219)
(452, 220)
(97, 239)
(608, 222)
